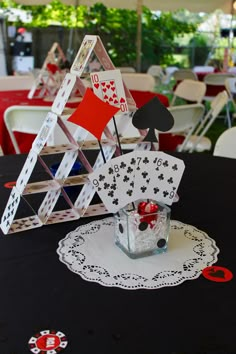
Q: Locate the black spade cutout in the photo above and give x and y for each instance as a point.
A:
(153, 115)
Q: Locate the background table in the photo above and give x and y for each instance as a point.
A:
(19, 97)
(39, 292)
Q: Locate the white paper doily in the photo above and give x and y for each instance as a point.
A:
(90, 251)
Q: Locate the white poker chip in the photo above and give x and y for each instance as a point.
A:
(47, 342)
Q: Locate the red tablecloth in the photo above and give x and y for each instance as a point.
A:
(10, 98)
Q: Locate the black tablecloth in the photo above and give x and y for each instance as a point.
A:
(38, 292)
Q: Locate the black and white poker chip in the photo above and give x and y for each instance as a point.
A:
(48, 342)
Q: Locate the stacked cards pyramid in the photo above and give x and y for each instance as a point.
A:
(104, 112)
(50, 76)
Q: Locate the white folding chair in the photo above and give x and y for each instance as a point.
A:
(14, 82)
(157, 72)
(126, 69)
(186, 117)
(226, 144)
(183, 74)
(230, 85)
(199, 133)
(24, 119)
(203, 69)
(189, 90)
(139, 81)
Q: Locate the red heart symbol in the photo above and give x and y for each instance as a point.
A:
(108, 86)
(103, 84)
(96, 85)
(105, 97)
(112, 82)
(113, 88)
(104, 90)
(114, 95)
(122, 100)
(116, 101)
(110, 99)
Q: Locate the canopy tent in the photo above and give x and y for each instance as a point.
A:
(168, 5)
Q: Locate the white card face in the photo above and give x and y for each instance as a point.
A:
(48, 204)
(157, 176)
(10, 210)
(45, 131)
(124, 168)
(63, 94)
(108, 86)
(31, 222)
(83, 55)
(66, 165)
(88, 191)
(104, 181)
(26, 171)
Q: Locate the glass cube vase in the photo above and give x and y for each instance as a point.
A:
(142, 235)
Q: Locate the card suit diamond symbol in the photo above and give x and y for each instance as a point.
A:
(96, 85)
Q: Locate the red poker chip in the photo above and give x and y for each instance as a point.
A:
(218, 274)
(10, 185)
(47, 342)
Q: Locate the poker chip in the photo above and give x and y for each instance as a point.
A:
(10, 185)
(48, 342)
(217, 274)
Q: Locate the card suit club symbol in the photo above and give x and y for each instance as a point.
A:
(153, 115)
(126, 179)
(170, 180)
(156, 190)
(90, 110)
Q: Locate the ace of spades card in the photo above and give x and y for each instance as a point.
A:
(108, 86)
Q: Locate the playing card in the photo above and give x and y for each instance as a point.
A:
(88, 190)
(10, 210)
(108, 86)
(124, 168)
(83, 55)
(63, 94)
(45, 131)
(48, 204)
(62, 216)
(31, 222)
(40, 187)
(103, 179)
(66, 164)
(26, 171)
(157, 176)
